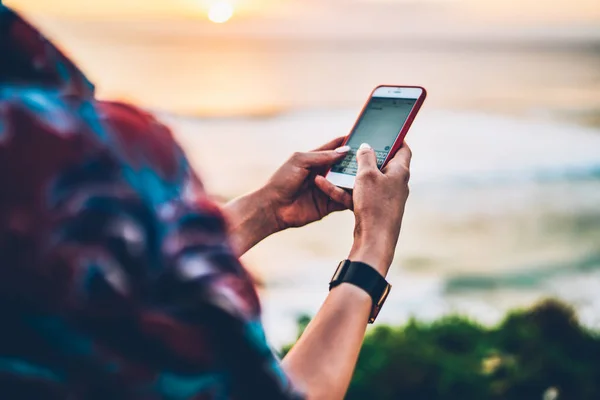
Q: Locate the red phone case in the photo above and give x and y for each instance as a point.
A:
(407, 124)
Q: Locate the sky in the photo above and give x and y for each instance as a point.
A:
(553, 21)
(573, 11)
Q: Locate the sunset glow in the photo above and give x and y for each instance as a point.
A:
(220, 12)
(502, 11)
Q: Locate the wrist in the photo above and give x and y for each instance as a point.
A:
(250, 220)
(378, 253)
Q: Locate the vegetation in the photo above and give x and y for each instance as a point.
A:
(542, 353)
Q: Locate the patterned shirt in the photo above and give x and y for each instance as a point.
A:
(117, 280)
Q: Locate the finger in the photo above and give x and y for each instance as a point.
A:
(365, 157)
(319, 158)
(401, 160)
(338, 195)
(332, 144)
(399, 166)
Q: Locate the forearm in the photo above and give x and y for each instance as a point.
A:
(322, 362)
(250, 221)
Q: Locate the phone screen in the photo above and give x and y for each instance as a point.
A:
(379, 126)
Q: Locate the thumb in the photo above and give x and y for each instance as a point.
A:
(365, 157)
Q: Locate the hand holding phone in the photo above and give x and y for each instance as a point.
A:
(379, 199)
(383, 124)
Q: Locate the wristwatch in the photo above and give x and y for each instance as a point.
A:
(365, 277)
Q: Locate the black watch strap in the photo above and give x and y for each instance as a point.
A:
(365, 277)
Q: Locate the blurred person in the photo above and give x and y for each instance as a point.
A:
(120, 278)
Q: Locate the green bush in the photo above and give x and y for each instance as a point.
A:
(542, 353)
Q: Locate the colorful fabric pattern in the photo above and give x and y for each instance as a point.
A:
(116, 277)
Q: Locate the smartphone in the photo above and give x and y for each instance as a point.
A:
(383, 124)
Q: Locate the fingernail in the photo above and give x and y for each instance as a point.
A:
(364, 146)
(343, 149)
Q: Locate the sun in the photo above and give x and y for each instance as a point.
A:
(220, 12)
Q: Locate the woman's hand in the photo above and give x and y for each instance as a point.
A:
(291, 198)
(293, 195)
(379, 201)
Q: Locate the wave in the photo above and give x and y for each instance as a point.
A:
(582, 173)
(525, 278)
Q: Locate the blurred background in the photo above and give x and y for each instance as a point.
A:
(505, 201)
